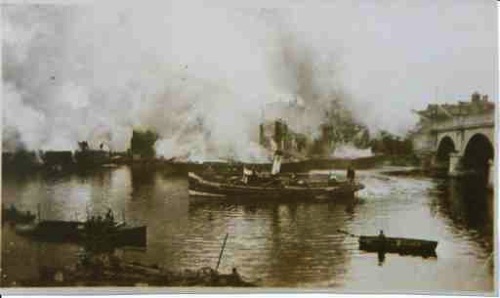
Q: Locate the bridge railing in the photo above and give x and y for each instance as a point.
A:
(465, 121)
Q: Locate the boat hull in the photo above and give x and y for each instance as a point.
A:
(403, 246)
(75, 232)
(202, 187)
(14, 216)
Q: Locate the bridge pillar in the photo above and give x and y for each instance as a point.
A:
(427, 160)
(455, 164)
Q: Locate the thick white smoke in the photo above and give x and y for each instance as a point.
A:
(349, 151)
(197, 76)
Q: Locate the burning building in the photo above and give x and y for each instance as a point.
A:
(276, 135)
(280, 122)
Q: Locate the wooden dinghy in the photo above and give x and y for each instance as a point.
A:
(403, 246)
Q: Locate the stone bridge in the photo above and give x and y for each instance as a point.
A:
(460, 144)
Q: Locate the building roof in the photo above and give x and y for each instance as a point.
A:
(444, 111)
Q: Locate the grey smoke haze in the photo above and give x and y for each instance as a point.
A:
(200, 75)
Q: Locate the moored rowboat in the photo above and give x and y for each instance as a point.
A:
(13, 215)
(76, 232)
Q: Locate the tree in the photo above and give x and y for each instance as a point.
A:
(387, 143)
(143, 142)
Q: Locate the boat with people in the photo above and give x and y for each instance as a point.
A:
(94, 229)
(269, 185)
(402, 246)
(269, 188)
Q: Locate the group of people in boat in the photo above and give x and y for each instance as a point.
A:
(252, 175)
(99, 222)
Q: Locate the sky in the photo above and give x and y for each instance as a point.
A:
(200, 72)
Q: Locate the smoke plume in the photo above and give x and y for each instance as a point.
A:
(198, 77)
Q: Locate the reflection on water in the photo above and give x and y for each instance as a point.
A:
(381, 258)
(295, 244)
(284, 244)
(467, 204)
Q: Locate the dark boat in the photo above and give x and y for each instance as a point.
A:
(76, 232)
(270, 185)
(13, 215)
(403, 246)
(269, 188)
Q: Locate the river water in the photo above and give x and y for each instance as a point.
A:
(292, 245)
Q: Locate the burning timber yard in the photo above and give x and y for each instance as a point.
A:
(135, 162)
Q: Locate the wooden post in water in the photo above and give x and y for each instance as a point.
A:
(221, 251)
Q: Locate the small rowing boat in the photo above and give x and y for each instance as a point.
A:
(403, 246)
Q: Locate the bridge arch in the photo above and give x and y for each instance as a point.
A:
(478, 154)
(446, 146)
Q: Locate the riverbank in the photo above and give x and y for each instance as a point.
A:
(119, 273)
(183, 167)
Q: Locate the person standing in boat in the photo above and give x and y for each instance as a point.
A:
(381, 235)
(110, 220)
(350, 174)
(382, 240)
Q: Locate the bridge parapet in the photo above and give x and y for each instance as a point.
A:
(465, 122)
